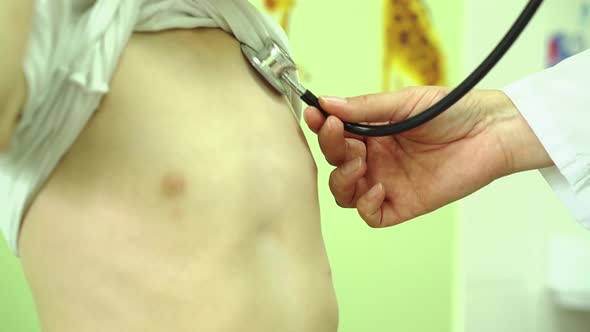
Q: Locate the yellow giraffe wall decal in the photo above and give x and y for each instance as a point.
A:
(411, 47)
(282, 9)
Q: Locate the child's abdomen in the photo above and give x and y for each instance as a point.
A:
(188, 203)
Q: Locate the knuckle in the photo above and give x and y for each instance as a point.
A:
(372, 224)
(333, 159)
(338, 181)
(440, 93)
(366, 218)
(371, 219)
(364, 101)
(328, 159)
(339, 203)
(340, 195)
(334, 186)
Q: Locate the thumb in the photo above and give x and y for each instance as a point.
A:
(382, 107)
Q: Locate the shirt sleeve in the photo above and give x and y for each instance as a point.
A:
(556, 104)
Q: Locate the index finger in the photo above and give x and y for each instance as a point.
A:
(381, 107)
(315, 121)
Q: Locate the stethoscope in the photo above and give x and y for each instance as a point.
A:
(276, 66)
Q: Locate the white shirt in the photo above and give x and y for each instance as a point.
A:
(556, 104)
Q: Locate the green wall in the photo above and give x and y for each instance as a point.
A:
(396, 279)
(17, 312)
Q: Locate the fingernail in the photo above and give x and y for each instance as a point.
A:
(375, 191)
(334, 100)
(331, 122)
(351, 166)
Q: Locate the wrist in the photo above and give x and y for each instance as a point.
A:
(521, 149)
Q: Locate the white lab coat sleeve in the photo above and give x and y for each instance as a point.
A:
(556, 104)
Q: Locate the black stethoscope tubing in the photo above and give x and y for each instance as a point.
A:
(450, 99)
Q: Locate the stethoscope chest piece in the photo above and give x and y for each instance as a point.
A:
(271, 62)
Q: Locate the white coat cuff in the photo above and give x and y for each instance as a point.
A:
(543, 101)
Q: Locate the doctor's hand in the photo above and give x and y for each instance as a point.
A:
(393, 179)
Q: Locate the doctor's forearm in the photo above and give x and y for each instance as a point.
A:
(15, 21)
(523, 150)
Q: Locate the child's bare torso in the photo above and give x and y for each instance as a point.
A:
(189, 203)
